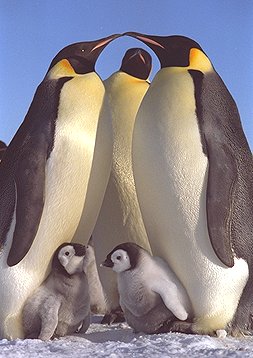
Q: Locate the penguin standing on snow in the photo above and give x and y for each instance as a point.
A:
(120, 217)
(150, 294)
(44, 175)
(61, 304)
(194, 177)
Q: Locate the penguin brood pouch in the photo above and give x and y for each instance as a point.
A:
(62, 303)
(193, 171)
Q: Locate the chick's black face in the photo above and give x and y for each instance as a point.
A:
(133, 250)
(80, 250)
(108, 262)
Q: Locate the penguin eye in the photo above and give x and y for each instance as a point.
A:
(118, 257)
(66, 253)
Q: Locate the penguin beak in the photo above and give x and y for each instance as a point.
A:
(148, 40)
(82, 55)
(103, 42)
(138, 53)
(98, 45)
(107, 263)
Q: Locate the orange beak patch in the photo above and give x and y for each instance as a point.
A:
(199, 61)
(66, 66)
(61, 69)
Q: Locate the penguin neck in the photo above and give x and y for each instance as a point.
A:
(60, 270)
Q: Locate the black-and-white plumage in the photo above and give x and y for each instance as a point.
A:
(61, 304)
(151, 296)
(193, 172)
(49, 175)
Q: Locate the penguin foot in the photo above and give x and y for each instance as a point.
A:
(115, 316)
(238, 332)
(181, 327)
(238, 328)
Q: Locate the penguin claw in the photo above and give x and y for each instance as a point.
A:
(239, 332)
(115, 316)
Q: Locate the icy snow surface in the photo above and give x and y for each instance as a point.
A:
(118, 341)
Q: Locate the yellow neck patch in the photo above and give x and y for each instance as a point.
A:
(61, 69)
(199, 61)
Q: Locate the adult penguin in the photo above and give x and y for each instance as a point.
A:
(194, 178)
(120, 218)
(44, 175)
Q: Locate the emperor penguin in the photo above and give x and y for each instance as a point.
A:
(120, 217)
(44, 175)
(150, 294)
(3, 147)
(193, 171)
(61, 304)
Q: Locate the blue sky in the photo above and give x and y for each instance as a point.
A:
(33, 31)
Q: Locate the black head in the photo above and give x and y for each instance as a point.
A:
(79, 249)
(174, 51)
(133, 250)
(81, 57)
(137, 62)
(3, 147)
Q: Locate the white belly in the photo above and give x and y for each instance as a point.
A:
(120, 219)
(66, 179)
(171, 171)
(99, 176)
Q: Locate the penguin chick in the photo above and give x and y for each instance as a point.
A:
(61, 304)
(151, 296)
(98, 303)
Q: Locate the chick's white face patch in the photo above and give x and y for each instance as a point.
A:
(65, 255)
(121, 261)
(69, 260)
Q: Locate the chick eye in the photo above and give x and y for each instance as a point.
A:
(82, 50)
(66, 253)
(118, 257)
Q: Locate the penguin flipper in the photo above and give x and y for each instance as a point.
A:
(29, 187)
(216, 114)
(220, 189)
(169, 294)
(24, 164)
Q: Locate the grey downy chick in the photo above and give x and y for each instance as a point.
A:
(151, 296)
(61, 304)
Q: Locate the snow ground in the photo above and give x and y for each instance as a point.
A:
(118, 341)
